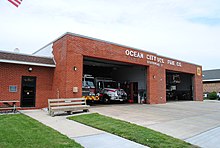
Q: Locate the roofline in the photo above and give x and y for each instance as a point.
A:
(25, 54)
(45, 46)
(26, 63)
(211, 80)
(87, 37)
(51, 42)
(211, 70)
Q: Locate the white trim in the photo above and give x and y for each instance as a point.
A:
(211, 80)
(26, 63)
(54, 61)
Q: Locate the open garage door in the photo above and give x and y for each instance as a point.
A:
(179, 86)
(113, 76)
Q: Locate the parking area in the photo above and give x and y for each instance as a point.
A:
(188, 120)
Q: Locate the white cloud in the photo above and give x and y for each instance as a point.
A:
(165, 27)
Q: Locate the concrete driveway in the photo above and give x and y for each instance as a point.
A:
(194, 122)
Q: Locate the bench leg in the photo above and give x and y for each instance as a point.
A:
(51, 113)
(69, 112)
(86, 110)
(14, 108)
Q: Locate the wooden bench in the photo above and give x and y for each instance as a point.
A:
(67, 105)
(9, 105)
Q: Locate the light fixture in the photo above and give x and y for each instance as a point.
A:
(30, 69)
(75, 68)
(154, 76)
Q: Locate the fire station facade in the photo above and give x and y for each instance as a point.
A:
(56, 71)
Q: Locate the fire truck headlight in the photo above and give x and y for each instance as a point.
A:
(92, 94)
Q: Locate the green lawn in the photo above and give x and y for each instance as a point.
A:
(131, 131)
(20, 131)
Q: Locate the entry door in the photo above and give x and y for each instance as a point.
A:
(135, 90)
(28, 91)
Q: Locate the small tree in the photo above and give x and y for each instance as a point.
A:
(212, 96)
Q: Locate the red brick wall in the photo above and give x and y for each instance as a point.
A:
(69, 52)
(59, 79)
(11, 74)
(156, 85)
(211, 86)
(198, 88)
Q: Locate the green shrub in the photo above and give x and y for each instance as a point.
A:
(212, 96)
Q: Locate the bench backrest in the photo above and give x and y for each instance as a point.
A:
(66, 102)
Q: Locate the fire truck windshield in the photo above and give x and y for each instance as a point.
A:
(110, 85)
(89, 83)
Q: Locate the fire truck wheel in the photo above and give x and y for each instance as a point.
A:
(106, 99)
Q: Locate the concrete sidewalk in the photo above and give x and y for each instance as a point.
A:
(195, 122)
(208, 139)
(87, 136)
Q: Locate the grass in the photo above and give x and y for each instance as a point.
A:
(131, 131)
(21, 131)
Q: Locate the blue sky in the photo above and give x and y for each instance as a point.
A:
(206, 21)
(180, 29)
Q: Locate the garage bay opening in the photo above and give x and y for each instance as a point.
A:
(179, 86)
(111, 81)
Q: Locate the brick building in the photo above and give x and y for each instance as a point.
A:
(56, 69)
(211, 81)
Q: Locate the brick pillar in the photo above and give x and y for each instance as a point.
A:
(68, 71)
(156, 85)
(198, 88)
(74, 74)
(59, 79)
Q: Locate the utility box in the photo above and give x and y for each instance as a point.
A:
(75, 89)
